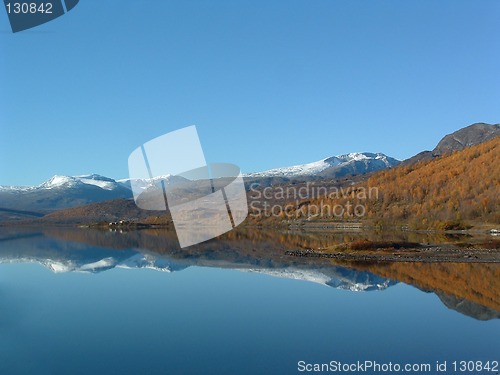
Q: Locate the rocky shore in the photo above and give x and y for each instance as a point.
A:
(426, 254)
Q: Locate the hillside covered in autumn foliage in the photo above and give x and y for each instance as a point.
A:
(459, 188)
(452, 191)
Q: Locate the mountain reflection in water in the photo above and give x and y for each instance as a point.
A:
(472, 289)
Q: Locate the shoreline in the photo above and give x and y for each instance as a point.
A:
(425, 254)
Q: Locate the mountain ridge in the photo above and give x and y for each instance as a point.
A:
(332, 165)
(460, 139)
(66, 192)
(466, 137)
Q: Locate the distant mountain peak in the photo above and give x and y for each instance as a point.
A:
(362, 155)
(62, 192)
(147, 183)
(96, 177)
(58, 181)
(466, 137)
(334, 166)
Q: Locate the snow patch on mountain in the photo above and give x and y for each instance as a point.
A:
(13, 188)
(139, 184)
(68, 265)
(68, 181)
(59, 181)
(355, 282)
(296, 274)
(315, 168)
(150, 262)
(353, 286)
(99, 181)
(297, 170)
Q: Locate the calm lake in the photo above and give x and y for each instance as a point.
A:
(92, 302)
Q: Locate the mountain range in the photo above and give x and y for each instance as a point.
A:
(335, 166)
(62, 192)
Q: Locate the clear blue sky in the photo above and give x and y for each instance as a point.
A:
(268, 83)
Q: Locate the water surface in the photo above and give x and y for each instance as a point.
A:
(72, 306)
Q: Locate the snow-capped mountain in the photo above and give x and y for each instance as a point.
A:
(67, 263)
(335, 166)
(335, 277)
(61, 192)
(134, 262)
(101, 259)
(143, 184)
(69, 182)
(93, 179)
